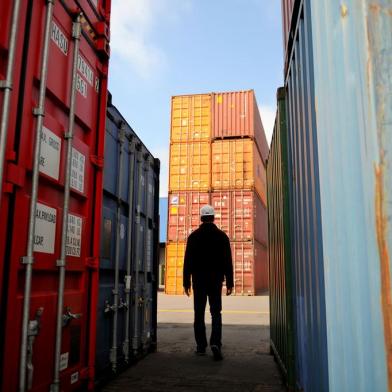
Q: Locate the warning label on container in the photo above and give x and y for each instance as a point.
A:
(49, 161)
(45, 229)
(74, 236)
(77, 170)
(64, 361)
(74, 377)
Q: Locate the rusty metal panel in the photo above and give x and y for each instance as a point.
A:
(339, 89)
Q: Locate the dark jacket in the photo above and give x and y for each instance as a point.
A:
(208, 257)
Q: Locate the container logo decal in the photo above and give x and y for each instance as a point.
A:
(49, 161)
(174, 200)
(77, 170)
(81, 85)
(85, 70)
(74, 236)
(59, 38)
(64, 361)
(45, 229)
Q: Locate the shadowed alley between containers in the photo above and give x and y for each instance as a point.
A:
(247, 365)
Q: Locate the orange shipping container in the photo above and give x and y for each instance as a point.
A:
(236, 114)
(236, 164)
(174, 268)
(184, 213)
(190, 166)
(250, 267)
(191, 118)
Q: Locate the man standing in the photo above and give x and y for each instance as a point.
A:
(208, 261)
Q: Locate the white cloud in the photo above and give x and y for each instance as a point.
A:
(268, 113)
(132, 25)
(162, 153)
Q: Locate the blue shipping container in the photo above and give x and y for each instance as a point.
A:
(129, 252)
(339, 110)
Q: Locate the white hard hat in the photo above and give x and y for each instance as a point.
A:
(207, 210)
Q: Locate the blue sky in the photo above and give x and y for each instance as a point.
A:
(162, 48)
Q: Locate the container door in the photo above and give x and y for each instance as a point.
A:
(71, 142)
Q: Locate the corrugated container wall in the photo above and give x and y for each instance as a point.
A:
(54, 161)
(128, 275)
(218, 151)
(279, 247)
(339, 111)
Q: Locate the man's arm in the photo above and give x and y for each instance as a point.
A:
(228, 264)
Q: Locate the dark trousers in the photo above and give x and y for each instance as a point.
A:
(214, 295)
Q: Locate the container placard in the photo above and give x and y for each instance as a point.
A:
(74, 236)
(77, 170)
(49, 161)
(64, 361)
(74, 377)
(45, 229)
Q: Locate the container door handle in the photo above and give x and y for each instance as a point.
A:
(69, 316)
(33, 331)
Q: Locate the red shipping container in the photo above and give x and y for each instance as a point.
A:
(184, 214)
(241, 215)
(236, 114)
(250, 264)
(81, 242)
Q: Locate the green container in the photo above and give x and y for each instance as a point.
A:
(281, 280)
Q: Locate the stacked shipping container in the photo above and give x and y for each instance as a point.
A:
(217, 156)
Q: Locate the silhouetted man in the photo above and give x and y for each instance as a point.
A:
(208, 262)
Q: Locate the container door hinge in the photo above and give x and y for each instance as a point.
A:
(97, 161)
(93, 262)
(15, 174)
(103, 47)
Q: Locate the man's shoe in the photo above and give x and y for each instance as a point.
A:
(200, 351)
(216, 351)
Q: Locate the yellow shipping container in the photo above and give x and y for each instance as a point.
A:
(175, 252)
(190, 166)
(191, 118)
(237, 164)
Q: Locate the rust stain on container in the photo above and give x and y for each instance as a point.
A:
(386, 300)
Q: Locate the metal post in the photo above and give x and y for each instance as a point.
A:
(39, 112)
(138, 227)
(76, 33)
(6, 85)
(129, 248)
(115, 307)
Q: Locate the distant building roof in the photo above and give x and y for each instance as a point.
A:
(163, 219)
